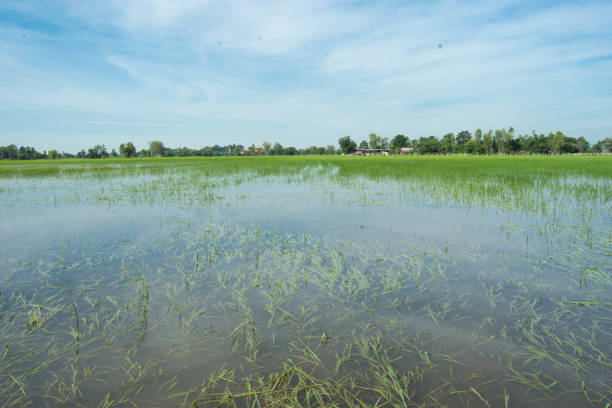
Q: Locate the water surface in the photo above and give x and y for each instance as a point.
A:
(305, 284)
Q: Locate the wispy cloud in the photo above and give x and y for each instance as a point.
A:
(73, 74)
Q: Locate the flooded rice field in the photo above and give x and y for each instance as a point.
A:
(349, 282)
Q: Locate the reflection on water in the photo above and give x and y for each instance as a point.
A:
(302, 288)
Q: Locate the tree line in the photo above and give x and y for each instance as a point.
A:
(500, 141)
(126, 150)
(157, 149)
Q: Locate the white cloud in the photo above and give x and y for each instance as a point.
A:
(307, 72)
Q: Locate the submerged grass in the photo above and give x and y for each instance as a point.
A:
(231, 327)
(524, 183)
(196, 310)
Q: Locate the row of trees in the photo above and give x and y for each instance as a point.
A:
(127, 150)
(501, 141)
(277, 149)
(11, 152)
(157, 149)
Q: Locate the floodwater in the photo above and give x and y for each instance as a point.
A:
(172, 288)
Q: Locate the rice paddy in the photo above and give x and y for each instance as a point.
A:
(307, 281)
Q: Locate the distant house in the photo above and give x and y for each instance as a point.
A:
(251, 152)
(371, 152)
(406, 150)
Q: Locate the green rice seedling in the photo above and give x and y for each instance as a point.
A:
(483, 275)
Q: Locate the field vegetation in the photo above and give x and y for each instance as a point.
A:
(438, 281)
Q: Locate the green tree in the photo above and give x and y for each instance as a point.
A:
(376, 141)
(478, 141)
(523, 141)
(582, 144)
(429, 145)
(363, 145)
(53, 154)
(463, 137)
(555, 141)
(398, 142)
(448, 143)
(498, 141)
(267, 146)
(487, 140)
(156, 148)
(569, 145)
(603, 146)
(97, 152)
(347, 145)
(277, 149)
(508, 136)
(537, 144)
(9, 152)
(127, 149)
(473, 147)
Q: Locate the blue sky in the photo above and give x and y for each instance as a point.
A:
(194, 73)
